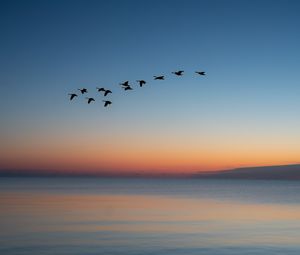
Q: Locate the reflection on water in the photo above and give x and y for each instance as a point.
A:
(109, 216)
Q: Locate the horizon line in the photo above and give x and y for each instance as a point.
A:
(130, 174)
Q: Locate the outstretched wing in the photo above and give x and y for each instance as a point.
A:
(72, 96)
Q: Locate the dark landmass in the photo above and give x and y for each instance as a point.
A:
(282, 172)
(96, 174)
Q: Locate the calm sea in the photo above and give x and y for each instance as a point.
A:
(148, 216)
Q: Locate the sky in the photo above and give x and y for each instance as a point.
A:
(243, 112)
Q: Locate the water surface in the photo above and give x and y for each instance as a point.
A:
(148, 216)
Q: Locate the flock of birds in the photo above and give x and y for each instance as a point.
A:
(125, 85)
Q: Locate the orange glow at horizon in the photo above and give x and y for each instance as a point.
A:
(182, 155)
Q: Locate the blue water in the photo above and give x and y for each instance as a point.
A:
(148, 216)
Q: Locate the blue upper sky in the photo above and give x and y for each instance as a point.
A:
(249, 49)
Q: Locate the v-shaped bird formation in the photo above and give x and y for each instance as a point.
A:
(124, 85)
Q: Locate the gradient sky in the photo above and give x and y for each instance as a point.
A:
(245, 112)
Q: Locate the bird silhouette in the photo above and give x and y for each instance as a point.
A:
(126, 83)
(83, 90)
(90, 99)
(127, 88)
(72, 95)
(141, 82)
(178, 73)
(107, 92)
(106, 103)
(100, 89)
(200, 73)
(159, 77)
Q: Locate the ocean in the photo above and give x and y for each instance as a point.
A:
(95, 216)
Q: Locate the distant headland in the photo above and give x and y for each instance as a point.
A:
(281, 172)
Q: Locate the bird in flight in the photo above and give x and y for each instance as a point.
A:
(127, 88)
(141, 82)
(72, 95)
(83, 90)
(159, 77)
(125, 83)
(106, 103)
(107, 92)
(100, 89)
(178, 73)
(200, 73)
(90, 99)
